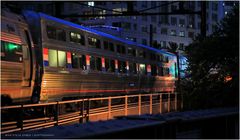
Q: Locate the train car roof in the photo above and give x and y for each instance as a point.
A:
(102, 33)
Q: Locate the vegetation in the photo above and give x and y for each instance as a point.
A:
(214, 67)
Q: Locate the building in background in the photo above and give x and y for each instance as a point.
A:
(179, 29)
(166, 29)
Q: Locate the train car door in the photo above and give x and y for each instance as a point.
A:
(27, 66)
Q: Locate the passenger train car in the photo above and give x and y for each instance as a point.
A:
(60, 60)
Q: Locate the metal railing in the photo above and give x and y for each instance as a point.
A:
(43, 115)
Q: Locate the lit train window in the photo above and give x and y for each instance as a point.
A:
(52, 58)
(142, 69)
(56, 33)
(11, 52)
(94, 42)
(77, 38)
(57, 58)
(62, 59)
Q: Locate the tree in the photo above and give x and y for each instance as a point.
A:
(214, 66)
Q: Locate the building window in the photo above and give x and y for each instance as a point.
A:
(77, 38)
(181, 46)
(154, 18)
(182, 33)
(144, 4)
(190, 34)
(173, 33)
(126, 25)
(144, 41)
(173, 21)
(154, 29)
(163, 44)
(181, 22)
(164, 31)
(144, 29)
(91, 3)
(144, 18)
(94, 42)
(135, 26)
(55, 33)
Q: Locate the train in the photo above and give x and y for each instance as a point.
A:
(44, 59)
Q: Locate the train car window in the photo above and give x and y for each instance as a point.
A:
(142, 54)
(99, 63)
(122, 67)
(11, 52)
(118, 49)
(51, 32)
(92, 63)
(132, 68)
(52, 58)
(112, 66)
(62, 59)
(123, 50)
(94, 42)
(165, 71)
(82, 61)
(77, 38)
(154, 70)
(106, 64)
(166, 59)
(142, 69)
(75, 61)
(129, 50)
(111, 46)
(152, 56)
(56, 33)
(105, 43)
(160, 71)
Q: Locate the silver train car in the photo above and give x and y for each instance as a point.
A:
(17, 59)
(71, 61)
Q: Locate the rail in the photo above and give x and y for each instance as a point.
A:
(43, 115)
